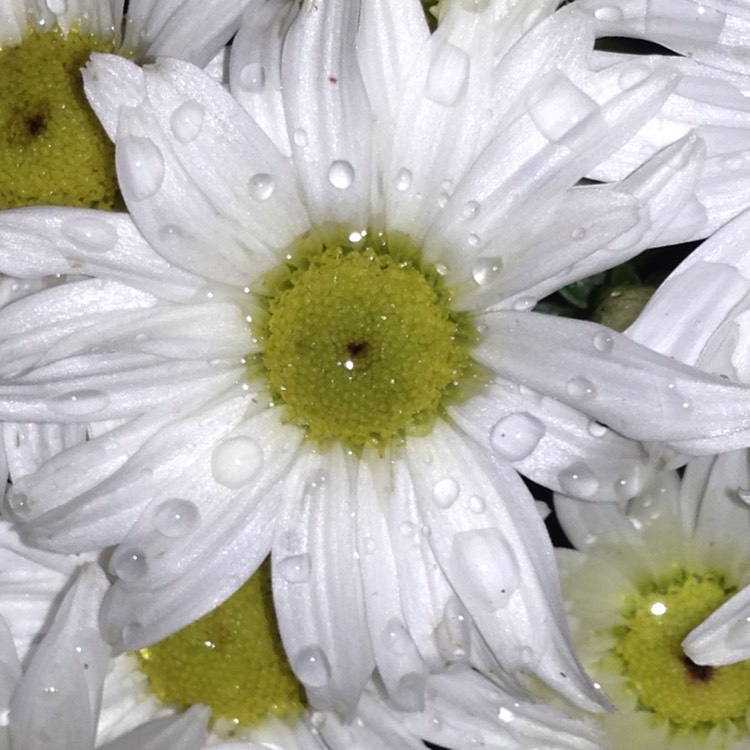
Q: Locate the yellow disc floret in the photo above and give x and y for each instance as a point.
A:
(690, 696)
(360, 342)
(52, 148)
(231, 660)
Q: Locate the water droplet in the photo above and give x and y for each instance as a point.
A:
(396, 637)
(474, 241)
(604, 342)
(341, 174)
(448, 76)
(744, 495)
(442, 202)
(80, 403)
(486, 565)
(187, 121)
(505, 715)
(578, 234)
(628, 486)
(176, 518)
(486, 270)
(578, 480)
(453, 632)
(445, 492)
(521, 304)
(477, 504)
(407, 529)
(296, 568)
(738, 634)
(311, 667)
(128, 563)
(91, 234)
(261, 186)
(470, 210)
(516, 436)
(171, 235)
(140, 167)
(57, 6)
(403, 179)
(557, 106)
(300, 138)
(18, 504)
(596, 429)
(236, 460)
(253, 78)
(581, 388)
(608, 14)
(633, 75)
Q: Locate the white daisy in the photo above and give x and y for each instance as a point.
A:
(313, 332)
(712, 38)
(52, 149)
(51, 696)
(647, 574)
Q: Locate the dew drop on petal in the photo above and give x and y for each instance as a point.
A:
(578, 234)
(253, 78)
(176, 518)
(609, 14)
(128, 563)
(474, 240)
(445, 492)
(187, 121)
(580, 388)
(505, 715)
(521, 304)
(628, 486)
(236, 460)
(295, 568)
(261, 186)
(453, 633)
(403, 179)
(477, 504)
(596, 429)
(485, 565)
(603, 342)
(91, 234)
(516, 436)
(18, 504)
(407, 529)
(557, 106)
(57, 6)
(170, 235)
(448, 75)
(486, 270)
(80, 403)
(311, 667)
(470, 209)
(578, 480)
(140, 167)
(300, 138)
(341, 174)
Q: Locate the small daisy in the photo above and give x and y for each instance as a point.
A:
(65, 692)
(52, 149)
(312, 336)
(712, 39)
(646, 575)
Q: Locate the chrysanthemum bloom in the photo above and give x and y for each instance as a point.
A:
(52, 148)
(643, 580)
(312, 336)
(712, 41)
(232, 661)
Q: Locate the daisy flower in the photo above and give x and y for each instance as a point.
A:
(645, 575)
(65, 691)
(313, 336)
(52, 148)
(712, 39)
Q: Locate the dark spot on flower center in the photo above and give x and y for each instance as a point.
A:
(35, 124)
(357, 349)
(697, 672)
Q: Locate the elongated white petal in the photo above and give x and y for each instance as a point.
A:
(184, 731)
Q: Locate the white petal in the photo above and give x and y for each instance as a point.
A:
(551, 443)
(317, 582)
(490, 542)
(184, 731)
(327, 112)
(29, 445)
(60, 693)
(724, 637)
(627, 387)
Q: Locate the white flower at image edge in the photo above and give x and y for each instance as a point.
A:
(407, 553)
(63, 690)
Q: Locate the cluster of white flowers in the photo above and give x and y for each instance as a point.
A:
(284, 426)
